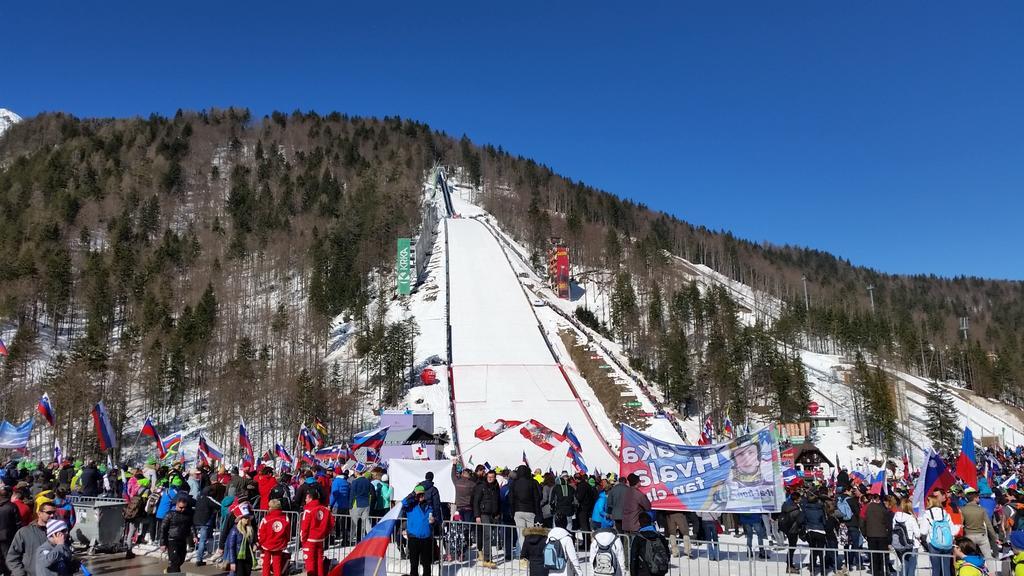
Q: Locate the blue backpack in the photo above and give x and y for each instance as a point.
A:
(941, 537)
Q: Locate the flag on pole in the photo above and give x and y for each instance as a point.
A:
(46, 409)
(541, 435)
(1010, 483)
(878, 484)
(367, 558)
(104, 429)
(727, 426)
(209, 450)
(489, 431)
(321, 431)
(335, 452)
(148, 429)
(308, 459)
(967, 462)
(243, 439)
(577, 460)
(707, 434)
(369, 439)
(170, 444)
(307, 439)
(525, 461)
(58, 454)
(935, 475)
(570, 437)
(906, 465)
(282, 453)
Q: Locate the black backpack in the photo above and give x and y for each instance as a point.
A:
(655, 556)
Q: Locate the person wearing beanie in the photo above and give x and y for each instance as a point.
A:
(420, 518)
(274, 536)
(21, 557)
(1017, 560)
(54, 557)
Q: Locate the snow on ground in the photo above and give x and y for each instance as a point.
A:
(502, 365)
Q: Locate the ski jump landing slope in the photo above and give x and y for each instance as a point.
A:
(502, 366)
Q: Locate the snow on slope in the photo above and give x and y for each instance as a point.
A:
(7, 119)
(502, 367)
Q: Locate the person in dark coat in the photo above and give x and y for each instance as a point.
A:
(563, 499)
(814, 530)
(10, 522)
(175, 532)
(647, 535)
(791, 524)
(532, 549)
(524, 494)
(634, 504)
(877, 529)
(91, 481)
(205, 518)
(486, 510)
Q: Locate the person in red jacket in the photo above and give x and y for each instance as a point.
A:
(324, 479)
(317, 525)
(274, 534)
(265, 481)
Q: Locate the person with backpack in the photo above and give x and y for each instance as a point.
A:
(906, 533)
(135, 516)
(648, 552)
(205, 518)
(560, 558)
(607, 556)
(978, 526)
(814, 531)
(968, 560)
(534, 540)
(791, 524)
(937, 526)
(563, 500)
(877, 529)
(848, 512)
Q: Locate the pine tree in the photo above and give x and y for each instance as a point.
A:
(942, 419)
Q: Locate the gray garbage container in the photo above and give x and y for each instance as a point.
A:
(99, 524)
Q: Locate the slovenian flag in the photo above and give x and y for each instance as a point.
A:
(967, 462)
(3, 348)
(577, 460)
(45, 408)
(58, 454)
(935, 475)
(243, 439)
(104, 429)
(369, 439)
(209, 450)
(878, 484)
(307, 458)
(489, 431)
(727, 427)
(283, 454)
(571, 438)
(368, 557)
(336, 452)
(1010, 483)
(307, 439)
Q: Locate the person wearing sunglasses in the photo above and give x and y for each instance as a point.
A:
(21, 557)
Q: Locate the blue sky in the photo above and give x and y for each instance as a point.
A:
(888, 133)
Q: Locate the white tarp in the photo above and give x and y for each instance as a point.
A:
(404, 475)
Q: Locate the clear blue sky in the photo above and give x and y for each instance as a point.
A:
(889, 133)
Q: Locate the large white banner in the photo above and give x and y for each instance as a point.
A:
(404, 475)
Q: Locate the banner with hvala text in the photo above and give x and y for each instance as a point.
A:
(742, 475)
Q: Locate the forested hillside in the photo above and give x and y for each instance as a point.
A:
(195, 263)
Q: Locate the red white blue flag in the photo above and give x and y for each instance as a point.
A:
(208, 451)
(3, 348)
(46, 409)
(307, 439)
(368, 557)
(148, 429)
(570, 437)
(577, 460)
(104, 429)
(369, 439)
(243, 440)
(283, 454)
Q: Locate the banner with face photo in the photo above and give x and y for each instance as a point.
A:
(742, 475)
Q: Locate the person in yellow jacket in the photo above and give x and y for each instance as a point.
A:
(1017, 560)
(968, 559)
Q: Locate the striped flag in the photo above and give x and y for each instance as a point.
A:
(3, 348)
(570, 436)
(282, 453)
(170, 444)
(369, 439)
(367, 558)
(307, 439)
(104, 429)
(577, 460)
(321, 432)
(46, 409)
(58, 454)
(148, 429)
(208, 450)
(243, 439)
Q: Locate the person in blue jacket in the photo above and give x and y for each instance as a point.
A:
(167, 500)
(341, 501)
(360, 491)
(419, 518)
(598, 519)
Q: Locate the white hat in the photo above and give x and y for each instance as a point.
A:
(384, 478)
(54, 526)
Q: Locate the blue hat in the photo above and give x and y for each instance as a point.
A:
(1017, 539)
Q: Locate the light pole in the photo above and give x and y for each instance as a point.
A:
(807, 301)
(871, 294)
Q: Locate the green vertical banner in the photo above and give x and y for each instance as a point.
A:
(403, 267)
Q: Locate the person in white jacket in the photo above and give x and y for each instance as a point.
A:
(941, 565)
(606, 542)
(572, 560)
(904, 520)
